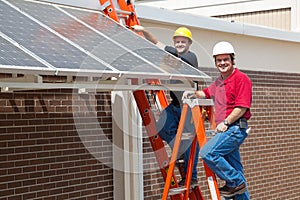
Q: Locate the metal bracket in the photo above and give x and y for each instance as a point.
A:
(198, 102)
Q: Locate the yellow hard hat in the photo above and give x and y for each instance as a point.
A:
(183, 31)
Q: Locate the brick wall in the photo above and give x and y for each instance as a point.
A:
(56, 144)
(271, 152)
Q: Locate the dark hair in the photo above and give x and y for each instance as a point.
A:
(231, 57)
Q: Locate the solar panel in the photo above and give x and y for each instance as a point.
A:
(12, 55)
(71, 39)
(41, 41)
(100, 46)
(138, 45)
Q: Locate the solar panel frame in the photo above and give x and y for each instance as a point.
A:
(45, 44)
(132, 61)
(10, 53)
(143, 48)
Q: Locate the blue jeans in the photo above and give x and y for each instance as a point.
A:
(221, 154)
(167, 128)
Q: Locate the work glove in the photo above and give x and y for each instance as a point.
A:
(188, 94)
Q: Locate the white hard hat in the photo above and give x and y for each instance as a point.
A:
(223, 48)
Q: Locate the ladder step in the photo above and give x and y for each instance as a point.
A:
(180, 161)
(205, 102)
(155, 110)
(178, 190)
(187, 136)
(123, 12)
(223, 198)
(190, 136)
(198, 102)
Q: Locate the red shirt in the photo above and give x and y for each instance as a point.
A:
(234, 91)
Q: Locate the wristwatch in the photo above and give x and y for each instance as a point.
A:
(226, 122)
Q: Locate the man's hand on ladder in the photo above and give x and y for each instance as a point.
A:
(137, 28)
(188, 94)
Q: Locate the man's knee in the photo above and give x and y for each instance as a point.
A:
(206, 153)
(203, 154)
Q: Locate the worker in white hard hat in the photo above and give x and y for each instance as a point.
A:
(169, 119)
(232, 95)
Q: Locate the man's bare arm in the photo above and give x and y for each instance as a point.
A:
(236, 114)
(146, 33)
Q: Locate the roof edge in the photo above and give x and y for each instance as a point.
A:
(174, 17)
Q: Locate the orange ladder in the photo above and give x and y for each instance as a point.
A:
(158, 147)
(123, 12)
(198, 107)
(127, 16)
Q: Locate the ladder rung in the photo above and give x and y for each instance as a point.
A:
(178, 190)
(154, 110)
(187, 136)
(205, 102)
(105, 5)
(198, 102)
(190, 136)
(180, 161)
(122, 16)
(223, 198)
(124, 12)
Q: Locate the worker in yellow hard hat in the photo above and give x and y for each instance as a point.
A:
(183, 31)
(169, 119)
(182, 40)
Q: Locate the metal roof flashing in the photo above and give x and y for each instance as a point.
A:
(162, 15)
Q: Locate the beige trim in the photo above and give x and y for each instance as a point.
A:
(279, 19)
(127, 148)
(295, 16)
(218, 7)
(252, 52)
